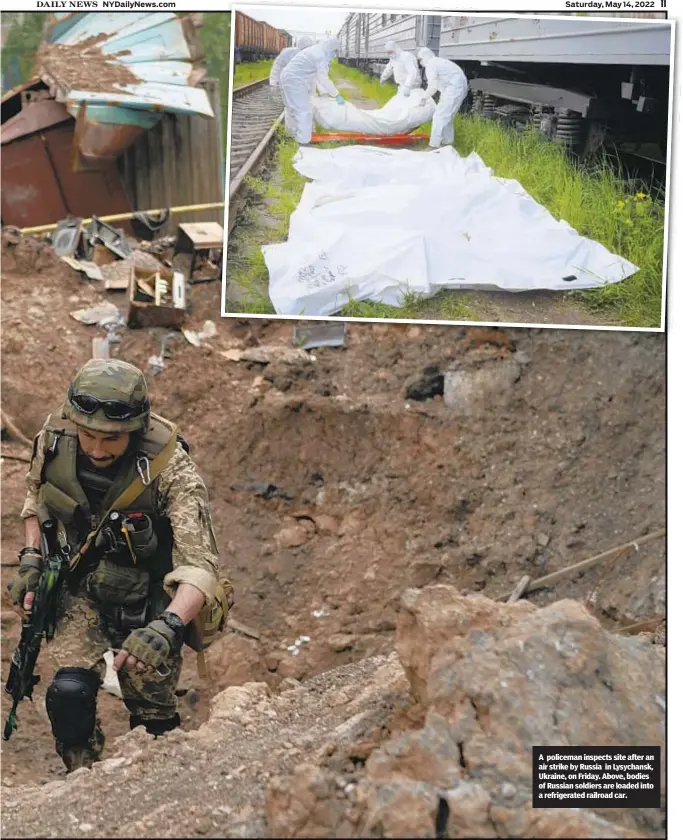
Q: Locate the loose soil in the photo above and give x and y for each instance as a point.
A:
(384, 492)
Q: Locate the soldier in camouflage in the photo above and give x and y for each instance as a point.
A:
(138, 581)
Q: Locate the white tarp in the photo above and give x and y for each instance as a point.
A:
(377, 223)
(400, 115)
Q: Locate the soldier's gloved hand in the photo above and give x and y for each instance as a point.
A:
(25, 583)
(154, 644)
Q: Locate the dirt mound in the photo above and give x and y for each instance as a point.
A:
(494, 680)
(353, 753)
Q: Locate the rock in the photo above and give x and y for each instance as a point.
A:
(273, 353)
(292, 667)
(326, 525)
(339, 642)
(425, 386)
(232, 703)
(543, 540)
(292, 536)
(429, 618)
(399, 809)
(290, 684)
(468, 390)
(305, 805)
(499, 678)
(423, 572)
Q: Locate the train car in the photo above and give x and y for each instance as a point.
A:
(363, 37)
(256, 40)
(582, 83)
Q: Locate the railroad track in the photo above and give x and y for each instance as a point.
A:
(256, 112)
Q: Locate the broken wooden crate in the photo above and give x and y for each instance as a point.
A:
(156, 298)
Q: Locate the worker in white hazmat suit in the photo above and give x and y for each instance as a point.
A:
(447, 78)
(403, 66)
(285, 57)
(310, 67)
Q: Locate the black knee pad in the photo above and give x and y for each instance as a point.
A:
(156, 727)
(71, 701)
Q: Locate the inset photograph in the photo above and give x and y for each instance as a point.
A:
(449, 168)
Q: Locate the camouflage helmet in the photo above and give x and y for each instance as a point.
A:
(108, 395)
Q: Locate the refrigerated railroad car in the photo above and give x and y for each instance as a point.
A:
(578, 81)
(363, 37)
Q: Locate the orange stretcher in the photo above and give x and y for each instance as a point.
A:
(375, 139)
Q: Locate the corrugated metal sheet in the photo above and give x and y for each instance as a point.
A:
(135, 66)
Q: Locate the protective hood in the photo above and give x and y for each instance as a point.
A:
(304, 42)
(393, 49)
(424, 54)
(330, 47)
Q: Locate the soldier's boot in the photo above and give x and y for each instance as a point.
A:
(155, 726)
(71, 702)
(75, 756)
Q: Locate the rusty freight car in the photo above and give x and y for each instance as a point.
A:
(256, 40)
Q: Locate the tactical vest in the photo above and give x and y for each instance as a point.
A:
(66, 499)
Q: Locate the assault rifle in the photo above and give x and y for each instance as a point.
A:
(40, 622)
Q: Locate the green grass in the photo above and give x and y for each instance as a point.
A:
(251, 71)
(368, 87)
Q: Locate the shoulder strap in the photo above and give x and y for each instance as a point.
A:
(130, 494)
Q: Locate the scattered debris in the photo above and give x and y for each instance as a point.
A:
(158, 246)
(90, 269)
(267, 491)
(295, 649)
(118, 276)
(198, 338)
(100, 348)
(67, 238)
(270, 353)
(200, 239)
(244, 629)
(309, 336)
(104, 314)
(99, 232)
(157, 363)
(519, 590)
(156, 298)
(323, 613)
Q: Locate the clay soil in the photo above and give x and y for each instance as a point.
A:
(383, 492)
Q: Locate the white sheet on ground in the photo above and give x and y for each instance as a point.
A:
(376, 224)
(400, 115)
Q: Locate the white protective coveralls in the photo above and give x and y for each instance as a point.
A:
(309, 67)
(285, 57)
(403, 65)
(446, 77)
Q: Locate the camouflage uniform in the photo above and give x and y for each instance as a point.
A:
(180, 499)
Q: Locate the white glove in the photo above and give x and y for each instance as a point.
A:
(404, 90)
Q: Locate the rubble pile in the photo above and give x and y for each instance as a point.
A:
(433, 740)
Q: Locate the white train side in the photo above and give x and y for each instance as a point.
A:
(579, 81)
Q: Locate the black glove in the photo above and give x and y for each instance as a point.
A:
(26, 579)
(159, 640)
